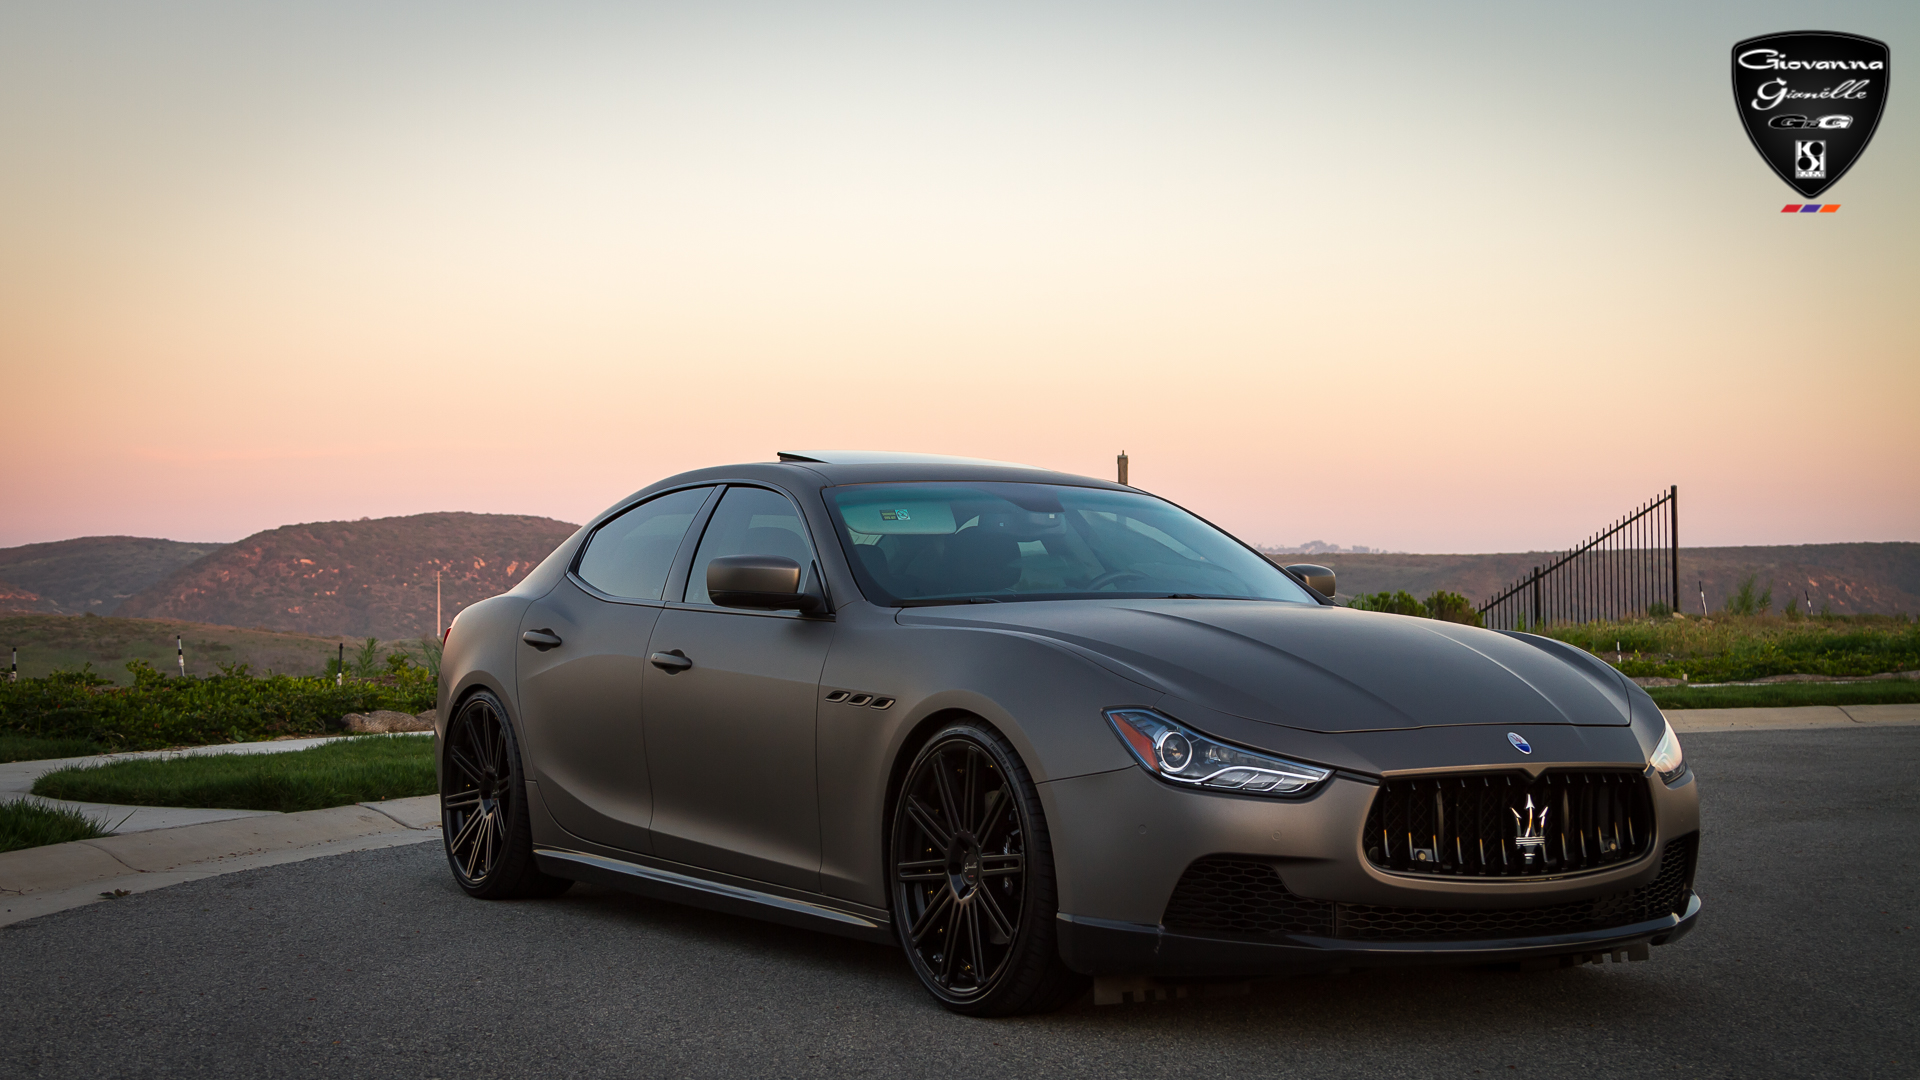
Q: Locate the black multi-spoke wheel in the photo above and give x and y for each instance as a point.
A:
(973, 897)
(483, 811)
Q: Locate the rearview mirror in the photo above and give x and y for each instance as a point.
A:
(1318, 577)
(760, 582)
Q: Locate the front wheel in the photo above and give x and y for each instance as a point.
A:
(973, 888)
(483, 807)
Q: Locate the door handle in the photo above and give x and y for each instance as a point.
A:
(670, 662)
(541, 639)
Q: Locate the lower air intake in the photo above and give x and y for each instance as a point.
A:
(1246, 898)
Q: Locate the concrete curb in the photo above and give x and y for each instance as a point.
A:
(1798, 717)
(42, 880)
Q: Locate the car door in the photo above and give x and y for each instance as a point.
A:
(582, 659)
(730, 718)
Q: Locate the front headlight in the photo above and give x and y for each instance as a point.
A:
(1666, 758)
(1178, 754)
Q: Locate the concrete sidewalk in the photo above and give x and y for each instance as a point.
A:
(38, 881)
(155, 846)
(1803, 716)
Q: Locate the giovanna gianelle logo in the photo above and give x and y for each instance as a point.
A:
(1810, 101)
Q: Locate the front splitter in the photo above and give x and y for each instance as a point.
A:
(1106, 947)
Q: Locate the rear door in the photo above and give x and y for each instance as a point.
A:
(581, 698)
(730, 738)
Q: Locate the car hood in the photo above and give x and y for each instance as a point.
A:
(1316, 668)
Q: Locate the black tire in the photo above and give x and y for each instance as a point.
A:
(483, 807)
(972, 878)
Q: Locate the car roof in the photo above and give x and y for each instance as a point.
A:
(876, 467)
(885, 457)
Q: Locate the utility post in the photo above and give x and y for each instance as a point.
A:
(340, 669)
(437, 624)
(13, 673)
(1123, 466)
(180, 653)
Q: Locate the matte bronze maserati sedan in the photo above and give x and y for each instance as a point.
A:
(1032, 728)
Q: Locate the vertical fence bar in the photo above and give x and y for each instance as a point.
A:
(1673, 538)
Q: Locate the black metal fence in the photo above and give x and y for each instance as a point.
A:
(1629, 570)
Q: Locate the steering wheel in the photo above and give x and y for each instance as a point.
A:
(1109, 578)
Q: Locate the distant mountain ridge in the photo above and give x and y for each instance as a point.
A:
(1845, 578)
(371, 577)
(92, 573)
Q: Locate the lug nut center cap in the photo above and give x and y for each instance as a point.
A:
(963, 865)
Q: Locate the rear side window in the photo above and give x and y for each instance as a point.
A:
(750, 521)
(630, 555)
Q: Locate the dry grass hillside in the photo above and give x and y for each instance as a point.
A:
(1843, 578)
(14, 599)
(370, 577)
(93, 573)
(49, 643)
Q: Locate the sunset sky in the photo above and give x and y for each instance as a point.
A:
(1424, 277)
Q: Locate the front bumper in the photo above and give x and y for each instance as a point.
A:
(1108, 947)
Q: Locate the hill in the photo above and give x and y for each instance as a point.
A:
(15, 599)
(370, 577)
(1845, 578)
(94, 573)
(49, 643)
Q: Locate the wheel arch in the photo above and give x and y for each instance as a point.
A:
(917, 738)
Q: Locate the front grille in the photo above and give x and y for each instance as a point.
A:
(1507, 825)
(1245, 897)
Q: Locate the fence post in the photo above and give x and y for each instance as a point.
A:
(1673, 537)
(1536, 599)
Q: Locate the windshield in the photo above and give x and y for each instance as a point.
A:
(954, 543)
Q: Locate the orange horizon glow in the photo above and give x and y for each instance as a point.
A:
(1423, 281)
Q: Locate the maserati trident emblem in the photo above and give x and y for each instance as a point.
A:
(1810, 102)
(1530, 834)
(1519, 743)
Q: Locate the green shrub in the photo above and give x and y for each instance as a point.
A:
(1745, 601)
(365, 659)
(1442, 605)
(1393, 603)
(159, 710)
(1452, 607)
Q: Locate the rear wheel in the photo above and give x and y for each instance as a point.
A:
(973, 887)
(483, 807)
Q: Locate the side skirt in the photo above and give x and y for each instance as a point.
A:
(681, 888)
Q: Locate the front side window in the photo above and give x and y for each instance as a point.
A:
(751, 521)
(630, 555)
(950, 543)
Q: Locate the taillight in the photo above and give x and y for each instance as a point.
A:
(445, 634)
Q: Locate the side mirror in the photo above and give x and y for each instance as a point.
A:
(1318, 577)
(761, 582)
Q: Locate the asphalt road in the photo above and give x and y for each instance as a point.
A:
(374, 965)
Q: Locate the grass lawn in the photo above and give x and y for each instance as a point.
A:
(38, 748)
(1900, 692)
(1734, 648)
(28, 824)
(361, 769)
